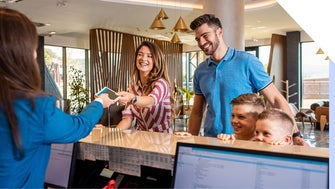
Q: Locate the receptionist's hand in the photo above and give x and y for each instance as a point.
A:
(106, 101)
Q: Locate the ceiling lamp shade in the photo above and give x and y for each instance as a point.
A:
(162, 14)
(327, 58)
(180, 26)
(175, 39)
(157, 24)
(320, 51)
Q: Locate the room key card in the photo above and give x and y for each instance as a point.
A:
(112, 94)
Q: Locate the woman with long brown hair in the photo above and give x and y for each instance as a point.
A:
(148, 97)
(29, 119)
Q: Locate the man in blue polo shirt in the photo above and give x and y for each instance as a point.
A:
(224, 75)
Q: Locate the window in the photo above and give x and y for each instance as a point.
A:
(54, 62)
(59, 67)
(264, 53)
(315, 75)
(75, 58)
(191, 60)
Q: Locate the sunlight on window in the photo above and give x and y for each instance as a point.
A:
(53, 60)
(75, 58)
(315, 75)
(264, 53)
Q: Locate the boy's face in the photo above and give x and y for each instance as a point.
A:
(243, 121)
(270, 131)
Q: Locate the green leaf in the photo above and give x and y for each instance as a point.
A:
(79, 96)
(188, 94)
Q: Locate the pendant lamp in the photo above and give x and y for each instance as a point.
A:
(157, 24)
(162, 14)
(180, 26)
(175, 39)
(320, 51)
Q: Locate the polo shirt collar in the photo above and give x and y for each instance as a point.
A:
(228, 56)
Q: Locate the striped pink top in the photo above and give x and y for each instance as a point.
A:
(156, 118)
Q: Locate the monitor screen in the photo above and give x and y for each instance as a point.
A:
(204, 166)
(60, 169)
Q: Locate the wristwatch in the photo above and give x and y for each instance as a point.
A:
(297, 134)
(134, 100)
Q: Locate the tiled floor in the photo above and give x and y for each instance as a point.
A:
(314, 137)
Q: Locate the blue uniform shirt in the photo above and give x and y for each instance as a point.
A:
(38, 130)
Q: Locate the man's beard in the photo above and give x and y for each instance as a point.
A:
(213, 47)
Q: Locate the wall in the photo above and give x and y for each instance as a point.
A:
(64, 41)
(277, 61)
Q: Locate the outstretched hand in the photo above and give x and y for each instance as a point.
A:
(125, 97)
(106, 101)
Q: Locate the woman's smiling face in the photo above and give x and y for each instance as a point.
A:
(144, 61)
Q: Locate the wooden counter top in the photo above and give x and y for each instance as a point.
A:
(127, 150)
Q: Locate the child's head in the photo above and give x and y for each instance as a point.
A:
(274, 126)
(245, 110)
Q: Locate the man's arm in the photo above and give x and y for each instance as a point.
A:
(194, 122)
(277, 100)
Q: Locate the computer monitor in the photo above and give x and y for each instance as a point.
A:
(204, 166)
(60, 171)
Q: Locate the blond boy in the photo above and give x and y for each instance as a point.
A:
(274, 126)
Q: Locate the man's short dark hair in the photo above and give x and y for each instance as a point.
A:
(210, 19)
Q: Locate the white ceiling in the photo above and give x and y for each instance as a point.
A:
(135, 17)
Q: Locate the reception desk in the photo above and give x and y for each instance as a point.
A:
(126, 151)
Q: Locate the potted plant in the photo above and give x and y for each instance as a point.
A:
(79, 95)
(188, 96)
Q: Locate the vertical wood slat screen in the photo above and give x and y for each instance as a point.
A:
(173, 58)
(112, 56)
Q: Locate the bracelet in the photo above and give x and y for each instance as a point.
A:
(297, 134)
(134, 100)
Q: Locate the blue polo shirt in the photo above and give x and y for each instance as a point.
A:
(237, 73)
